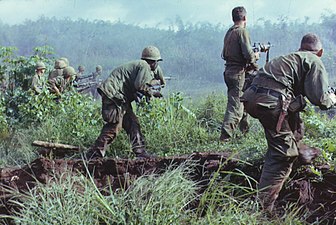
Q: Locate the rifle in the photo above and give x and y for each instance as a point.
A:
(260, 47)
(88, 77)
(84, 86)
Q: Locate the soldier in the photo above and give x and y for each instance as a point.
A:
(96, 78)
(98, 73)
(60, 84)
(123, 86)
(276, 98)
(238, 54)
(81, 70)
(60, 64)
(38, 80)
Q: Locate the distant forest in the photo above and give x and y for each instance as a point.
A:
(190, 52)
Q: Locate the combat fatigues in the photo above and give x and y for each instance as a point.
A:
(38, 83)
(299, 73)
(60, 83)
(60, 64)
(237, 53)
(158, 75)
(118, 91)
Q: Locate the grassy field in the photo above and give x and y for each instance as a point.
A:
(173, 125)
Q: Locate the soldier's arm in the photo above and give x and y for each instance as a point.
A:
(158, 75)
(316, 86)
(144, 82)
(54, 87)
(247, 50)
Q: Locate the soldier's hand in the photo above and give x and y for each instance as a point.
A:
(157, 94)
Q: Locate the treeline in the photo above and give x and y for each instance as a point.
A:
(191, 52)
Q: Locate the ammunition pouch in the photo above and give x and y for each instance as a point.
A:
(297, 104)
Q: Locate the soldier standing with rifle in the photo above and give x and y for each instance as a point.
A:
(238, 53)
(125, 84)
(276, 97)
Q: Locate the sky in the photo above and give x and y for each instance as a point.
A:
(163, 13)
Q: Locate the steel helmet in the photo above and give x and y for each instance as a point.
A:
(151, 53)
(65, 60)
(99, 68)
(69, 72)
(40, 65)
(60, 64)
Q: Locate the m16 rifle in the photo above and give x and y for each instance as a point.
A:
(86, 78)
(85, 86)
(260, 47)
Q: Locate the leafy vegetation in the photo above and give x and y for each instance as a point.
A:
(175, 124)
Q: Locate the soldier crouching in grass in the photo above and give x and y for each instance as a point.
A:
(275, 97)
(125, 84)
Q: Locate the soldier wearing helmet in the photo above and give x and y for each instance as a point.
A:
(60, 64)
(81, 70)
(125, 84)
(38, 80)
(151, 53)
(98, 72)
(60, 84)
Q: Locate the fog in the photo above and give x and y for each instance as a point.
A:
(162, 13)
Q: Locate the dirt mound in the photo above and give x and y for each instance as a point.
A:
(317, 196)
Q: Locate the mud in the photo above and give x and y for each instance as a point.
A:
(316, 195)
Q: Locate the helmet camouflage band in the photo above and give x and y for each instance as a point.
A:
(39, 66)
(151, 53)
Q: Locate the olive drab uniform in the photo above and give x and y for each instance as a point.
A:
(238, 54)
(98, 72)
(61, 84)
(284, 79)
(38, 82)
(117, 92)
(60, 64)
(158, 75)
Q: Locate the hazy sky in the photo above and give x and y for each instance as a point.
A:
(163, 12)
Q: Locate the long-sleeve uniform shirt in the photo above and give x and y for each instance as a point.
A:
(37, 83)
(238, 54)
(298, 73)
(126, 80)
(237, 48)
(294, 74)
